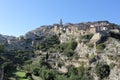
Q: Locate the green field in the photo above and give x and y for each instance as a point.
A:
(19, 75)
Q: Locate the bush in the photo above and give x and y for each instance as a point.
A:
(28, 75)
(36, 72)
(27, 67)
(100, 46)
(69, 53)
(112, 65)
(67, 47)
(47, 74)
(90, 45)
(72, 45)
(76, 73)
(86, 37)
(102, 70)
(72, 71)
(61, 77)
(115, 35)
(92, 58)
(62, 47)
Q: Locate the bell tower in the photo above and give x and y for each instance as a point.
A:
(61, 23)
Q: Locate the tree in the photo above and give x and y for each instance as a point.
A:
(2, 48)
(47, 56)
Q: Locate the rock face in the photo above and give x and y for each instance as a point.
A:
(115, 74)
(96, 37)
(83, 50)
(63, 69)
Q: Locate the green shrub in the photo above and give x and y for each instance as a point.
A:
(61, 77)
(47, 74)
(100, 46)
(72, 45)
(87, 37)
(69, 53)
(62, 47)
(92, 58)
(76, 73)
(67, 47)
(114, 35)
(36, 71)
(90, 45)
(112, 65)
(102, 70)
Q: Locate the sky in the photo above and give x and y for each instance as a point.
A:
(20, 16)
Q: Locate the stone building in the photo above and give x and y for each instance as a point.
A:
(56, 28)
(82, 28)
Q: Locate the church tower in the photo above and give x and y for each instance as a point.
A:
(61, 23)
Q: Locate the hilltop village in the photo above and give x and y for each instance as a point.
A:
(83, 28)
(85, 51)
(101, 27)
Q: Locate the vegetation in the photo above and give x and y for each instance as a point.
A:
(100, 46)
(62, 47)
(20, 75)
(9, 61)
(102, 70)
(68, 46)
(92, 58)
(112, 65)
(2, 48)
(90, 45)
(72, 45)
(115, 35)
(43, 69)
(86, 37)
(69, 53)
(48, 43)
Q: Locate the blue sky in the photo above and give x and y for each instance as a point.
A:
(20, 16)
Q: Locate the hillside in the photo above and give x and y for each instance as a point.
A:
(81, 51)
